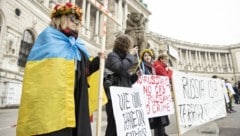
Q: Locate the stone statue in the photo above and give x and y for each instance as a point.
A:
(135, 28)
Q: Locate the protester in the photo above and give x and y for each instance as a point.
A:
(231, 93)
(55, 89)
(236, 96)
(119, 62)
(147, 68)
(161, 68)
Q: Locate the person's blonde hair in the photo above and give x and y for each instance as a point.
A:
(146, 51)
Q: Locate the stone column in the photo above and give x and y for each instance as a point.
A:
(96, 35)
(216, 60)
(116, 14)
(180, 59)
(190, 60)
(227, 63)
(120, 14)
(196, 60)
(125, 8)
(200, 60)
(83, 27)
(187, 60)
(88, 19)
(220, 62)
(206, 61)
(230, 62)
(210, 61)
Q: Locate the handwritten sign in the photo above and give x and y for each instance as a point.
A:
(157, 94)
(198, 100)
(129, 112)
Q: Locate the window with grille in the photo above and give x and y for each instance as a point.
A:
(26, 46)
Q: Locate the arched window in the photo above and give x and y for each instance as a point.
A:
(26, 46)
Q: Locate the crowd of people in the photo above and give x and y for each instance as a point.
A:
(232, 92)
(55, 89)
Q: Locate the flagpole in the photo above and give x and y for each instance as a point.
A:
(102, 66)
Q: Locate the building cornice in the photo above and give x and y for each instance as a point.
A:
(188, 45)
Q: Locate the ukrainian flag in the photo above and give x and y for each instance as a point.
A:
(47, 102)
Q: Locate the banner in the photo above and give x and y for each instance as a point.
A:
(129, 112)
(198, 100)
(157, 95)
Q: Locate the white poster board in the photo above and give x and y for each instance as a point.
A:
(157, 95)
(129, 112)
(198, 100)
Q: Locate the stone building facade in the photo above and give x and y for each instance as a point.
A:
(21, 21)
(199, 59)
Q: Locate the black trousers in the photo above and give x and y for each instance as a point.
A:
(111, 129)
(159, 131)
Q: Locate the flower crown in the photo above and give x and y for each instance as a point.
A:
(66, 9)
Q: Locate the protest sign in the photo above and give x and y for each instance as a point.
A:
(129, 112)
(198, 100)
(157, 94)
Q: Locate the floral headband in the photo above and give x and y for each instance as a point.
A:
(66, 9)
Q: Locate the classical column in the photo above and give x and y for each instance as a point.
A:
(227, 63)
(96, 35)
(180, 59)
(206, 61)
(116, 14)
(230, 62)
(120, 14)
(125, 8)
(200, 60)
(220, 62)
(88, 18)
(216, 62)
(190, 59)
(196, 60)
(187, 60)
(210, 61)
(83, 27)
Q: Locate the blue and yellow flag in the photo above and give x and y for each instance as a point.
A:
(49, 82)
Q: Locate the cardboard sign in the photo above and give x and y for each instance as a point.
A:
(129, 112)
(157, 94)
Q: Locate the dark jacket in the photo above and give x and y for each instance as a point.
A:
(121, 64)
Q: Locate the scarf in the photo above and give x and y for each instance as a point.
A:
(52, 43)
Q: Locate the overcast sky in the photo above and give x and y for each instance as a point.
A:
(201, 21)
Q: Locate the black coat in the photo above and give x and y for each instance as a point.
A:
(121, 64)
(84, 69)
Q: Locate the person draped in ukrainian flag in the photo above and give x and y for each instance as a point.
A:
(54, 99)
